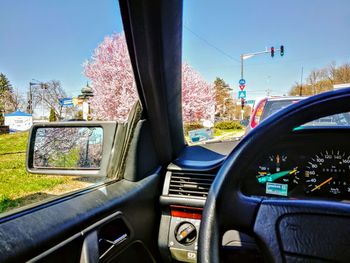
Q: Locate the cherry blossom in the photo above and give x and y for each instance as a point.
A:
(112, 80)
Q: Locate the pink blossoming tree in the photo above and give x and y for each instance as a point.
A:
(110, 72)
(112, 78)
(198, 97)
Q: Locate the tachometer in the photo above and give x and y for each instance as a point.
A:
(328, 172)
(278, 175)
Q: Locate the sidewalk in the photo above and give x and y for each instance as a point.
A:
(229, 136)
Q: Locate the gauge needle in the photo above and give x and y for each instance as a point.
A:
(321, 184)
(275, 176)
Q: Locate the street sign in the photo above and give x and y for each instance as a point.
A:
(241, 82)
(201, 135)
(249, 102)
(242, 87)
(66, 102)
(242, 94)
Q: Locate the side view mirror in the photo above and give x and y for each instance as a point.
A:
(72, 148)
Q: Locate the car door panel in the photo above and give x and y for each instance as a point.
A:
(30, 234)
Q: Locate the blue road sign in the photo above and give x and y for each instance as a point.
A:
(241, 82)
(201, 134)
(66, 102)
(242, 94)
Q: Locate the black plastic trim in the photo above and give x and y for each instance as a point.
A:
(172, 200)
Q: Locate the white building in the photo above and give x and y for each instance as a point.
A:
(18, 121)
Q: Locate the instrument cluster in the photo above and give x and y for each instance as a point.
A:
(299, 168)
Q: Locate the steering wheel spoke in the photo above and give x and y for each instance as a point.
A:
(291, 230)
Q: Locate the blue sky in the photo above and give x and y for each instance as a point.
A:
(314, 33)
(47, 40)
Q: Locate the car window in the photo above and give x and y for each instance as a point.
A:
(272, 107)
(59, 62)
(244, 51)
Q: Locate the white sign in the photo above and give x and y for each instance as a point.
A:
(208, 124)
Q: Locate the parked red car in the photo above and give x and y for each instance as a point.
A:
(265, 107)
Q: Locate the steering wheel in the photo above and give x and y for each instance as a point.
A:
(286, 230)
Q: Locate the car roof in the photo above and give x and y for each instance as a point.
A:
(277, 98)
(286, 98)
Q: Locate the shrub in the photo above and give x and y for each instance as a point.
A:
(228, 125)
(52, 116)
(192, 126)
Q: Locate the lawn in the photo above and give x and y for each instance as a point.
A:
(17, 187)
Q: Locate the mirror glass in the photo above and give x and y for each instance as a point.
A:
(68, 147)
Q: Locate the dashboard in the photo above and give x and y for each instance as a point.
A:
(310, 163)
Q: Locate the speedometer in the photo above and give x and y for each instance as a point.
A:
(328, 172)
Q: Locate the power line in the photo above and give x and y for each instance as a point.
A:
(292, 61)
(210, 44)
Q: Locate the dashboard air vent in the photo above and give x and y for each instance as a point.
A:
(190, 185)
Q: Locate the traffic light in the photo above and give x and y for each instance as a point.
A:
(242, 103)
(272, 52)
(282, 51)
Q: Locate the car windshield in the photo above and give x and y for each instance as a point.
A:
(342, 120)
(238, 52)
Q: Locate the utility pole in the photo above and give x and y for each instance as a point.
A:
(301, 82)
(268, 90)
(30, 99)
(242, 58)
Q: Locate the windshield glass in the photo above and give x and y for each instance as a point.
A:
(237, 52)
(342, 120)
(60, 61)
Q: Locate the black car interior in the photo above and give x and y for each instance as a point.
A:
(179, 203)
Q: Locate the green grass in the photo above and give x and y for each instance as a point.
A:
(17, 187)
(15, 142)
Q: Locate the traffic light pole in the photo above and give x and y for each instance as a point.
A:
(250, 55)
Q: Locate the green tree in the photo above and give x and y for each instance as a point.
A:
(224, 106)
(5, 84)
(79, 115)
(321, 80)
(52, 116)
(5, 95)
